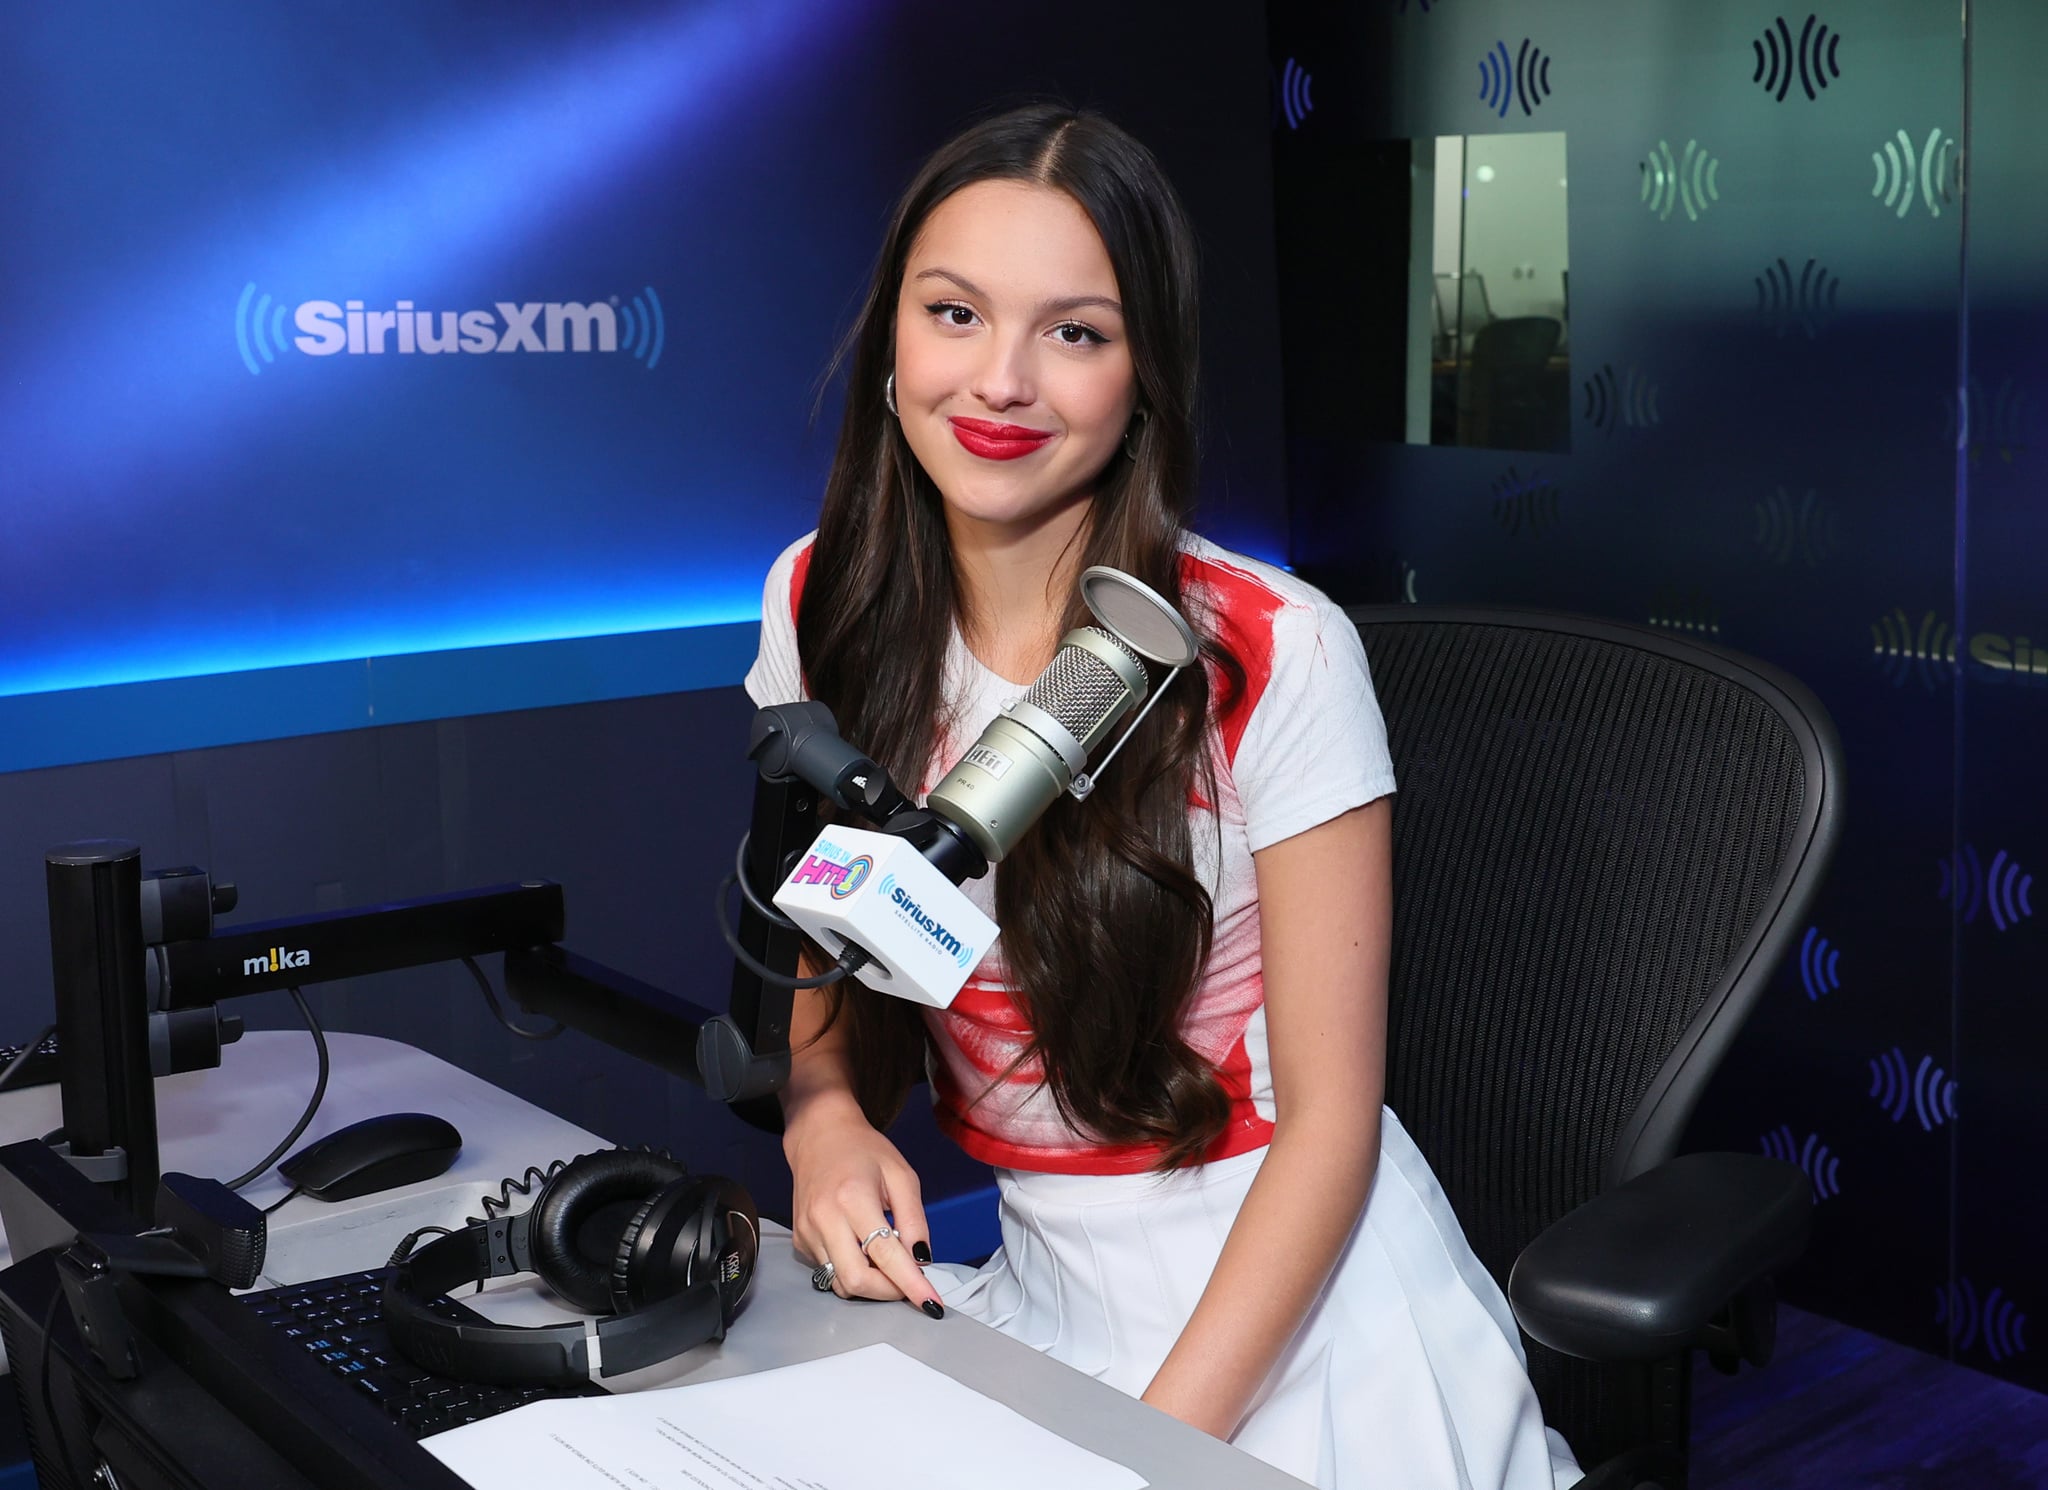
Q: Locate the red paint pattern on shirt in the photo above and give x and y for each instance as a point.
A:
(1004, 1116)
(1242, 610)
(799, 569)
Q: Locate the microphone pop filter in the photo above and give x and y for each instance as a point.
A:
(1139, 616)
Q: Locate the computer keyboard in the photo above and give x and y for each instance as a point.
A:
(40, 1069)
(337, 1319)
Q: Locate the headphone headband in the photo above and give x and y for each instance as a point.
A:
(522, 1354)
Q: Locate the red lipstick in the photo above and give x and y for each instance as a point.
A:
(993, 441)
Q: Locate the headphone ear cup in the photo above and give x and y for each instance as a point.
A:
(573, 1241)
(623, 1288)
(703, 1230)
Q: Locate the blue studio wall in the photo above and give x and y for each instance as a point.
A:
(345, 342)
(348, 624)
(1806, 304)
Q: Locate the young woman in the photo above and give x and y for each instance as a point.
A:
(1174, 1056)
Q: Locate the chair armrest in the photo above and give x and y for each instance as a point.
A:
(1637, 1273)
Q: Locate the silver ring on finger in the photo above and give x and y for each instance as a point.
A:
(821, 1277)
(871, 1237)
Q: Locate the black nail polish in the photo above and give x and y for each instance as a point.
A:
(921, 1251)
(934, 1308)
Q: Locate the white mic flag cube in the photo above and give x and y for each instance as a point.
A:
(878, 891)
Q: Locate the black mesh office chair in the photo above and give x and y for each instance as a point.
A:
(1605, 840)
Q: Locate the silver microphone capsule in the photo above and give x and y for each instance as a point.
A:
(1032, 750)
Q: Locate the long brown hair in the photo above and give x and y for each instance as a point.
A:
(1106, 928)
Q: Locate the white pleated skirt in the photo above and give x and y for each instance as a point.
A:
(1407, 1374)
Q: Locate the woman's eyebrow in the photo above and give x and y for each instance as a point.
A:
(1045, 308)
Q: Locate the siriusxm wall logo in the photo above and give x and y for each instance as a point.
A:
(1995, 1320)
(328, 328)
(1805, 528)
(1926, 1091)
(1691, 180)
(2007, 889)
(1505, 82)
(1935, 168)
(929, 924)
(1818, 964)
(1927, 654)
(1822, 1167)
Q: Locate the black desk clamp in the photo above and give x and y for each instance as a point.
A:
(209, 1232)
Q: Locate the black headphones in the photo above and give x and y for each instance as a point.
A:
(626, 1233)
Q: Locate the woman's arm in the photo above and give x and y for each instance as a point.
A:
(1326, 917)
(845, 1174)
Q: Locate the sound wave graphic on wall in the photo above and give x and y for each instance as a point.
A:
(1995, 1320)
(1813, 60)
(643, 329)
(1925, 1091)
(1625, 400)
(1806, 304)
(1294, 99)
(1691, 181)
(1822, 1167)
(1819, 965)
(1803, 528)
(2002, 422)
(2005, 889)
(1902, 170)
(259, 322)
(1404, 582)
(1905, 653)
(1505, 82)
(1520, 503)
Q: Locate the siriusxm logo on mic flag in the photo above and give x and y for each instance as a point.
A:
(916, 915)
(328, 328)
(854, 886)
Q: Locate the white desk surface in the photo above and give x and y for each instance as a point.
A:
(220, 1122)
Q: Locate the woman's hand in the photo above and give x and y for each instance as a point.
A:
(849, 1180)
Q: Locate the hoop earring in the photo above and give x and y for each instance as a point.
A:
(1137, 428)
(889, 392)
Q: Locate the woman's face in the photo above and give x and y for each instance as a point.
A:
(1014, 379)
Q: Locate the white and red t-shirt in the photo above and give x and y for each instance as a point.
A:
(1302, 744)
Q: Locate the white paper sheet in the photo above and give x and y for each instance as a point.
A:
(870, 1419)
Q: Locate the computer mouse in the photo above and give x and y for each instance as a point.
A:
(375, 1154)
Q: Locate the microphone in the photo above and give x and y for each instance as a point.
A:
(894, 896)
(1039, 746)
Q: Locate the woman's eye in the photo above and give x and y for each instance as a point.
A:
(951, 315)
(1074, 334)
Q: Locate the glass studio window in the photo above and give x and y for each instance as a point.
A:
(1489, 314)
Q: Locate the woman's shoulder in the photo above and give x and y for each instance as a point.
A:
(1297, 652)
(795, 558)
(777, 674)
(1254, 608)
(785, 586)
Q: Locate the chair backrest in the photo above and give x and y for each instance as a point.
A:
(1508, 397)
(1516, 343)
(1605, 838)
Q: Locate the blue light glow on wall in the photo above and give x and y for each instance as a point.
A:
(178, 506)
